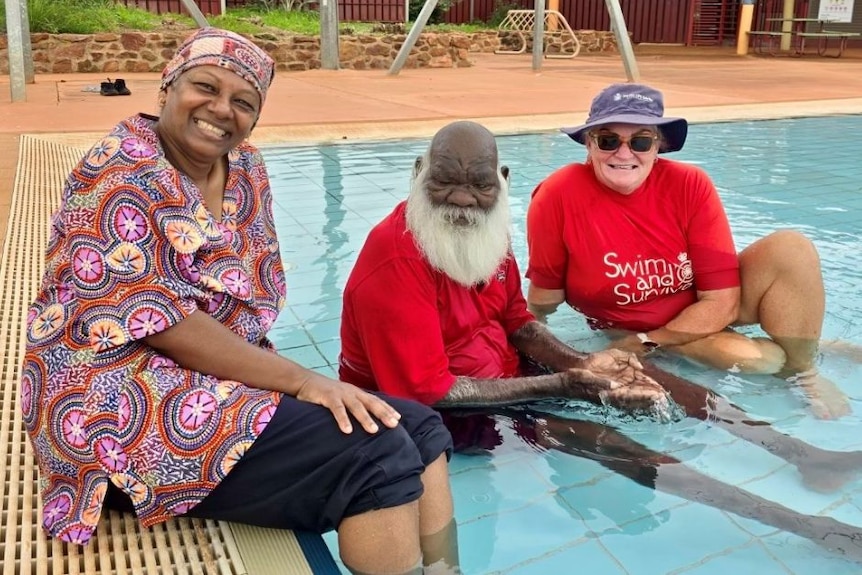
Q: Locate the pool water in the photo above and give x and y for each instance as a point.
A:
(523, 510)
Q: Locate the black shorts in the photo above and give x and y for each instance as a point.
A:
(303, 472)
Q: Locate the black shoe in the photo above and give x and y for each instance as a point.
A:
(109, 89)
(120, 86)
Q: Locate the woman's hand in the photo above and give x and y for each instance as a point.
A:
(344, 399)
(629, 344)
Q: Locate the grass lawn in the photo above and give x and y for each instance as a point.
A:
(93, 16)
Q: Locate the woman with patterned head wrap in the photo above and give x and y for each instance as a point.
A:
(149, 383)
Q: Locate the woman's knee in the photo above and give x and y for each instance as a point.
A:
(729, 350)
(782, 248)
(426, 429)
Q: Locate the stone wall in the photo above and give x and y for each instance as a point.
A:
(110, 53)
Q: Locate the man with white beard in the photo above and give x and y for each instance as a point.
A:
(433, 309)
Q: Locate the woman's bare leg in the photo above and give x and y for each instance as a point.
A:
(382, 542)
(438, 533)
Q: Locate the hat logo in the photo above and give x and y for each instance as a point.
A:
(618, 97)
(640, 97)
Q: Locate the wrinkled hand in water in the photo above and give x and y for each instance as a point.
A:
(618, 379)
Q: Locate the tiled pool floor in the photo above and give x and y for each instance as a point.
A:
(524, 512)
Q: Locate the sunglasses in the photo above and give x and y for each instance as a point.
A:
(610, 142)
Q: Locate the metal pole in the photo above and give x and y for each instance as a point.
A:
(329, 35)
(15, 50)
(29, 72)
(538, 34)
(410, 41)
(195, 13)
(618, 25)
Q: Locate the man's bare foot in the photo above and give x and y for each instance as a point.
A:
(826, 400)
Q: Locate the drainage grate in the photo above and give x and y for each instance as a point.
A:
(120, 546)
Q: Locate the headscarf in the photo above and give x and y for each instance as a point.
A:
(226, 49)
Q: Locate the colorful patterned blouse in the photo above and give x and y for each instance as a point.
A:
(132, 252)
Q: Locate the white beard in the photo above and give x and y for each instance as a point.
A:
(469, 253)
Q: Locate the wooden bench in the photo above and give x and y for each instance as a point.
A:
(120, 546)
(823, 38)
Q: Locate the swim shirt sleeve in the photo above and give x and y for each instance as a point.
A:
(399, 326)
(131, 239)
(516, 315)
(711, 248)
(546, 249)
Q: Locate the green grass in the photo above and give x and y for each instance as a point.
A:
(92, 16)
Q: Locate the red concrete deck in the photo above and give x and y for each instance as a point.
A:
(502, 91)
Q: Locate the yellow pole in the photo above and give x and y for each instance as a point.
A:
(787, 25)
(745, 17)
(553, 24)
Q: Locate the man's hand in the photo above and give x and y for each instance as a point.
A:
(343, 399)
(616, 364)
(616, 377)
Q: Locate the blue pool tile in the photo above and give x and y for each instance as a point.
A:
(802, 557)
(330, 351)
(495, 489)
(289, 337)
(307, 356)
(740, 561)
(568, 559)
(315, 312)
(687, 535)
(784, 486)
(325, 330)
(503, 540)
(615, 502)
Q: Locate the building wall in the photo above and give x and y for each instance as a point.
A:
(855, 26)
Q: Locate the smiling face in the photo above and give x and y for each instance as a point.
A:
(622, 170)
(207, 112)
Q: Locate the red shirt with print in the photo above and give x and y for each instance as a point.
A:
(409, 330)
(630, 261)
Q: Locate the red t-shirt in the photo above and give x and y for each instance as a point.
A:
(409, 330)
(630, 261)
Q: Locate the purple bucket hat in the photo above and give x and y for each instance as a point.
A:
(226, 49)
(632, 104)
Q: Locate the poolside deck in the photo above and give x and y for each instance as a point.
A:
(500, 91)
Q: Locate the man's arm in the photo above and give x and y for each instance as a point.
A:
(536, 341)
(643, 393)
(474, 392)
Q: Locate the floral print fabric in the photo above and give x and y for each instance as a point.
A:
(133, 251)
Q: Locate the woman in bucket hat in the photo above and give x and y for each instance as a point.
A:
(641, 245)
(149, 384)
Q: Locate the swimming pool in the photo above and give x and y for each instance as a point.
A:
(526, 511)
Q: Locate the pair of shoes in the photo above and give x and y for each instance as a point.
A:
(114, 88)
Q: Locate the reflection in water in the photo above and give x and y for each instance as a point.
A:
(658, 471)
(335, 238)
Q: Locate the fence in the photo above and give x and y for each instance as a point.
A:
(654, 21)
(208, 7)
